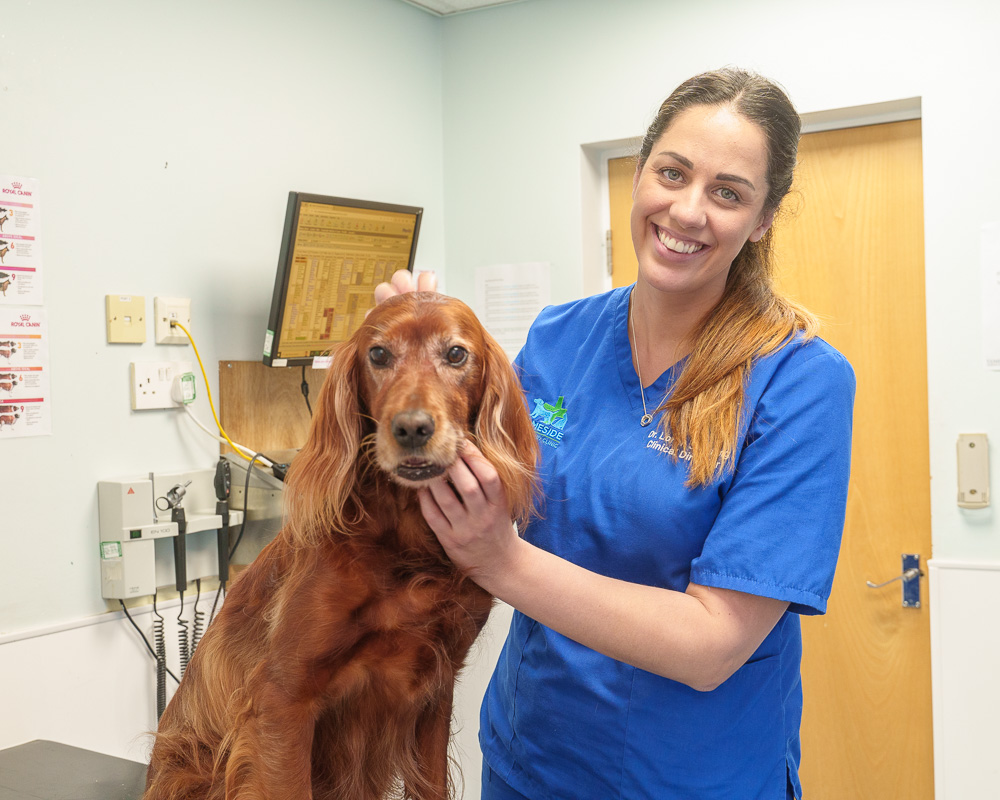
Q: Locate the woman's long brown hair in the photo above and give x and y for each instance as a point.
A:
(705, 410)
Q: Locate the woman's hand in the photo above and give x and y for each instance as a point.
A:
(402, 281)
(468, 513)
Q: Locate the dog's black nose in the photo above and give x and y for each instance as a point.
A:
(413, 428)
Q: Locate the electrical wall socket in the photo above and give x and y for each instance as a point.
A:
(152, 381)
(167, 310)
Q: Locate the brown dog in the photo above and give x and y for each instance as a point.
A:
(330, 670)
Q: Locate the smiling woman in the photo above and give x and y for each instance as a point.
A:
(655, 647)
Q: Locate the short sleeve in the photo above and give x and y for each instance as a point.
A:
(781, 519)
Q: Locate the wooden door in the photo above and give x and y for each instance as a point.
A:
(850, 247)
(624, 267)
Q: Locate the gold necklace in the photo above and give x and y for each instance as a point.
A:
(646, 416)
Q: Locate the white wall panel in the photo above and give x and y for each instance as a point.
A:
(965, 663)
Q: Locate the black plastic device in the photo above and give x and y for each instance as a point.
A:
(174, 499)
(223, 482)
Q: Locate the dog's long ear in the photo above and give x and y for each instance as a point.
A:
(323, 478)
(504, 432)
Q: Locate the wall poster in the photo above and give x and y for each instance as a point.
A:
(20, 241)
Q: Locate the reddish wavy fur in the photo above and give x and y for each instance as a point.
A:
(330, 670)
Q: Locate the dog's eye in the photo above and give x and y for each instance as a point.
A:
(457, 356)
(379, 356)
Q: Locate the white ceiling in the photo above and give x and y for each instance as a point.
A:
(443, 8)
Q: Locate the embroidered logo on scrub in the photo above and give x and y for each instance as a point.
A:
(549, 420)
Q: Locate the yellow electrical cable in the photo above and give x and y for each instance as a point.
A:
(208, 390)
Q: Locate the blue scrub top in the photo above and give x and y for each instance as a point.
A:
(562, 721)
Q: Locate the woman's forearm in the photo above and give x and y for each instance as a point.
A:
(699, 637)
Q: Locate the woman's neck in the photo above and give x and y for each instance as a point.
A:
(663, 325)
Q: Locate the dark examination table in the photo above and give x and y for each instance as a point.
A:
(43, 770)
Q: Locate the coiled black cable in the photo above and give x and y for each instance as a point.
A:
(145, 641)
(183, 637)
(199, 620)
(161, 662)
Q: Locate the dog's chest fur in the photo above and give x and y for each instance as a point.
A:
(406, 619)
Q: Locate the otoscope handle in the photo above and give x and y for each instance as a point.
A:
(180, 547)
(222, 509)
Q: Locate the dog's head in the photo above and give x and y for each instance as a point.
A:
(419, 376)
(423, 362)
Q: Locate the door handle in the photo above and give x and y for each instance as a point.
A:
(911, 580)
(909, 575)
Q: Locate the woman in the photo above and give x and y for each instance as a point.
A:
(696, 452)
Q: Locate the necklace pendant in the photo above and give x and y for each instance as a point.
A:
(646, 419)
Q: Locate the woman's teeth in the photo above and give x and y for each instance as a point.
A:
(678, 247)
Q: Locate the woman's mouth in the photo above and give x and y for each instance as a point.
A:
(677, 246)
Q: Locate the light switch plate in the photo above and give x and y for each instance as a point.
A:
(126, 318)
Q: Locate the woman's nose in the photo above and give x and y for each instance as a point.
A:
(688, 208)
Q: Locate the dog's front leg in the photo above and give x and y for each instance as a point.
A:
(270, 758)
(433, 735)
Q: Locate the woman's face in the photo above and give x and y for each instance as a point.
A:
(697, 200)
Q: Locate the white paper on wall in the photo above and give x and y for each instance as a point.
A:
(508, 298)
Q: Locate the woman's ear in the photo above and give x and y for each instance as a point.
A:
(766, 220)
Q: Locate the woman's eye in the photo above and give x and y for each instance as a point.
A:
(379, 356)
(457, 356)
(671, 174)
(728, 194)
